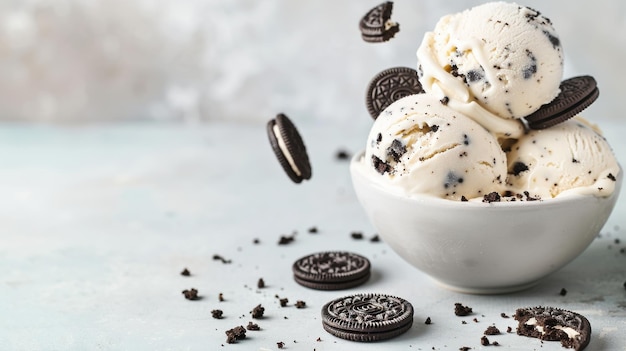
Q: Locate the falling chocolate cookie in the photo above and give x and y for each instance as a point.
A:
(391, 85)
(331, 270)
(553, 324)
(577, 94)
(367, 317)
(289, 148)
(376, 26)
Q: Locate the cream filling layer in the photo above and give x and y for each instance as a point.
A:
(284, 150)
(389, 24)
(571, 332)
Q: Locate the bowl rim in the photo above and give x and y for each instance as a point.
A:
(357, 171)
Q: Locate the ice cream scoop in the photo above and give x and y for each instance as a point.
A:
(418, 145)
(496, 62)
(569, 158)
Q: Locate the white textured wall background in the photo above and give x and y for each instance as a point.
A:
(244, 60)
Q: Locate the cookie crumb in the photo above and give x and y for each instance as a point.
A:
(313, 230)
(461, 310)
(504, 315)
(492, 197)
(375, 238)
(253, 326)
(286, 240)
(280, 344)
(492, 330)
(356, 235)
(530, 198)
(191, 294)
(300, 304)
(509, 329)
(256, 241)
(185, 272)
(563, 292)
(428, 321)
(220, 297)
(258, 311)
(484, 341)
(220, 258)
(342, 154)
(234, 334)
(465, 348)
(217, 314)
(260, 283)
(283, 302)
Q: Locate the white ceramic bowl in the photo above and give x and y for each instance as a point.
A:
(477, 247)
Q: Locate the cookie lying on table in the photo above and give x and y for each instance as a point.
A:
(554, 324)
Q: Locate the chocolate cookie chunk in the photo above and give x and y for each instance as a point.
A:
(390, 85)
(577, 94)
(331, 270)
(376, 26)
(367, 317)
(553, 324)
(289, 148)
(461, 310)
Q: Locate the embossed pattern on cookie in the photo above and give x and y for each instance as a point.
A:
(367, 317)
(391, 85)
(376, 26)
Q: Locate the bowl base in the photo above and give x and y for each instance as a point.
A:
(486, 290)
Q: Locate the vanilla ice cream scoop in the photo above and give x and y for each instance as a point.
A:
(569, 158)
(418, 145)
(496, 62)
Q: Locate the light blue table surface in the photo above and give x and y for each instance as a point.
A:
(97, 222)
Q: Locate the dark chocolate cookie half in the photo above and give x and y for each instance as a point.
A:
(390, 85)
(554, 324)
(367, 317)
(289, 148)
(577, 94)
(331, 270)
(376, 26)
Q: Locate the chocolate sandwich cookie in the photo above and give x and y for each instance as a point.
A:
(390, 85)
(367, 317)
(553, 324)
(576, 95)
(376, 26)
(289, 148)
(331, 270)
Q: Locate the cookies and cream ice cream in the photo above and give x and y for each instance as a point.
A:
(483, 70)
(418, 145)
(496, 62)
(571, 157)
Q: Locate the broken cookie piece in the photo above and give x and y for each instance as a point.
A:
(573, 330)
